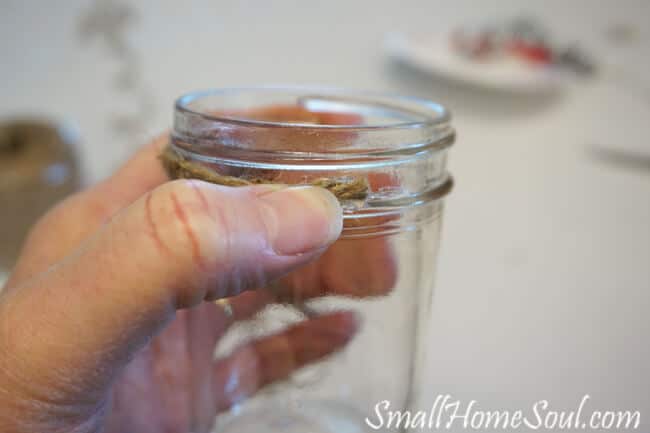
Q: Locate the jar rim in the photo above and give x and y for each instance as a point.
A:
(401, 141)
(423, 112)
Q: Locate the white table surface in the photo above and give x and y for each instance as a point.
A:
(544, 282)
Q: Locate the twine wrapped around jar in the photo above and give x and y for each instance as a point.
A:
(177, 167)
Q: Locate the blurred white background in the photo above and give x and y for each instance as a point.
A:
(544, 279)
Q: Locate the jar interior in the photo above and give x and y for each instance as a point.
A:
(370, 110)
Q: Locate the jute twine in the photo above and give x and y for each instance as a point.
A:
(178, 167)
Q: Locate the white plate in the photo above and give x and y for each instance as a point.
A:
(432, 54)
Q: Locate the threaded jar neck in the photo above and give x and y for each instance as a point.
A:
(380, 154)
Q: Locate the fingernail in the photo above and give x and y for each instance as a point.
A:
(301, 219)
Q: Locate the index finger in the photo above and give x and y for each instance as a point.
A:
(140, 174)
(82, 214)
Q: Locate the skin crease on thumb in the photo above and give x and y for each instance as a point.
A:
(168, 250)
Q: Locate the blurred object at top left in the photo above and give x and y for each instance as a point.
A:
(38, 167)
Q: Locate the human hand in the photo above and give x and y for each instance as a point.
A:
(94, 319)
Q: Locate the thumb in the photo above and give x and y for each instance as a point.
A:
(71, 328)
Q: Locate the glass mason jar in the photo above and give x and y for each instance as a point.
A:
(384, 157)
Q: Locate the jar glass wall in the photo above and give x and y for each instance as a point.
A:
(384, 158)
